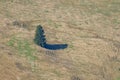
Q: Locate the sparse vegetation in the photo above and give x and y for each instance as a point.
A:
(118, 78)
(58, 73)
(23, 47)
(75, 78)
(90, 27)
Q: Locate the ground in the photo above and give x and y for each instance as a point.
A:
(91, 28)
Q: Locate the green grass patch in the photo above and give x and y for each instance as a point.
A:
(118, 78)
(71, 46)
(23, 47)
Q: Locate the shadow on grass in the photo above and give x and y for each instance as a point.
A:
(41, 40)
(55, 46)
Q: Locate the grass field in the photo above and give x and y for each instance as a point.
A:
(91, 28)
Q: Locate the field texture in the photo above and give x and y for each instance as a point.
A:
(91, 28)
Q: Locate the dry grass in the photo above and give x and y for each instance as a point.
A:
(90, 28)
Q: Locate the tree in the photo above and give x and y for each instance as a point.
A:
(39, 36)
(41, 40)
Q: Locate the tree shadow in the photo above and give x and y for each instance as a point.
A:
(55, 46)
(41, 40)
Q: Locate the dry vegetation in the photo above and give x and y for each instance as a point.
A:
(91, 28)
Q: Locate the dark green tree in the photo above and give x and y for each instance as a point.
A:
(39, 36)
